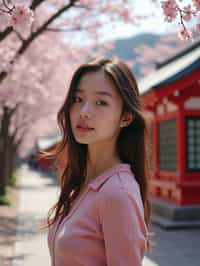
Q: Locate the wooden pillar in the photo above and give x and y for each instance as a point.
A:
(156, 189)
(156, 147)
(181, 142)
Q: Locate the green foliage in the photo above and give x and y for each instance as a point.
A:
(4, 200)
(12, 180)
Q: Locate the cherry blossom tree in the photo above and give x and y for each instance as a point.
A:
(19, 15)
(32, 93)
(28, 69)
(59, 16)
(24, 120)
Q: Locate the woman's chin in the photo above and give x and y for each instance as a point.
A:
(82, 140)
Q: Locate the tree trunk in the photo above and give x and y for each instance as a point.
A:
(12, 159)
(4, 142)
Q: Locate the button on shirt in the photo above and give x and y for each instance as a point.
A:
(105, 227)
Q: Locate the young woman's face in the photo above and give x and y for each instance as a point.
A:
(96, 105)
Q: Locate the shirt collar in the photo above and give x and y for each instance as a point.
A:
(99, 180)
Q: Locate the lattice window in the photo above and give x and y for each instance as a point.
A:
(193, 143)
(168, 145)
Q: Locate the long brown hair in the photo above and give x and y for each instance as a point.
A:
(132, 142)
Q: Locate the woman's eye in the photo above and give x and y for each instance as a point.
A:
(76, 99)
(101, 103)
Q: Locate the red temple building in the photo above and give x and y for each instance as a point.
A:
(171, 97)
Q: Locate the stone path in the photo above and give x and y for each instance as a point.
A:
(36, 197)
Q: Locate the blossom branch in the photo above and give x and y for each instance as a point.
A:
(9, 9)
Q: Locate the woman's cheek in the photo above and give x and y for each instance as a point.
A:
(74, 110)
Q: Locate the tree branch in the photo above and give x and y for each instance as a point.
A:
(8, 30)
(39, 31)
(64, 30)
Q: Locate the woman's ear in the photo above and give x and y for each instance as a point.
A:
(126, 119)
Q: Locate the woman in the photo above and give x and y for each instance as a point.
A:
(102, 214)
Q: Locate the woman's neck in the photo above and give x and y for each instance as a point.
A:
(95, 170)
(101, 156)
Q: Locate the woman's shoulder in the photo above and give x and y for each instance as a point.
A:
(120, 183)
(121, 191)
(121, 178)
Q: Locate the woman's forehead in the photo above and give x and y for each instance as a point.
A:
(97, 80)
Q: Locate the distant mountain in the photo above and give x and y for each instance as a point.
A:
(124, 47)
(143, 50)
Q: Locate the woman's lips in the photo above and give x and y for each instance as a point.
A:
(82, 129)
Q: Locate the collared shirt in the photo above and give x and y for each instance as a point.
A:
(105, 227)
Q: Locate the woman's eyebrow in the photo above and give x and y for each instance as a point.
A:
(106, 93)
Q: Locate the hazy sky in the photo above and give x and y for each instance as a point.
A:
(154, 23)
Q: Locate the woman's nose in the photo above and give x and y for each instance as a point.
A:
(85, 112)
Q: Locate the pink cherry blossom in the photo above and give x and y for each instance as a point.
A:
(169, 10)
(85, 2)
(5, 20)
(22, 17)
(126, 13)
(130, 63)
(109, 45)
(187, 13)
(196, 3)
(185, 34)
(198, 27)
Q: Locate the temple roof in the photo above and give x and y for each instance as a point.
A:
(177, 66)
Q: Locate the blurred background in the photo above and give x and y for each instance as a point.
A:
(41, 45)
